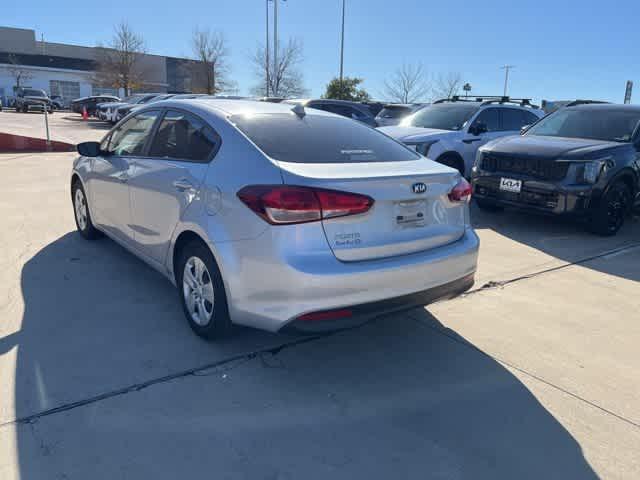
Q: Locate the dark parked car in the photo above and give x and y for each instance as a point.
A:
(28, 99)
(581, 161)
(354, 110)
(58, 102)
(123, 110)
(90, 103)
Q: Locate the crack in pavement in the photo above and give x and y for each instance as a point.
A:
(136, 387)
(204, 370)
(499, 284)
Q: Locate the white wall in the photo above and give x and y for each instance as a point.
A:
(40, 79)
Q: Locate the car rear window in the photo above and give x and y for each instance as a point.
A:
(394, 112)
(319, 139)
(34, 93)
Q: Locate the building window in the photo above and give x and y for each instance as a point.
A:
(96, 90)
(67, 90)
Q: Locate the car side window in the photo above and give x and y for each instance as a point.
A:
(183, 136)
(529, 118)
(513, 119)
(490, 118)
(131, 137)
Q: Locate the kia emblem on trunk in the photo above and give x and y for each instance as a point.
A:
(419, 187)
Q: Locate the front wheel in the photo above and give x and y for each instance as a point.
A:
(82, 214)
(609, 215)
(202, 292)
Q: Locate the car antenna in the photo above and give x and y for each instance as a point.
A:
(298, 109)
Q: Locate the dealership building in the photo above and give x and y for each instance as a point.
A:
(70, 70)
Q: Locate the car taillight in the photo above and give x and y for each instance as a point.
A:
(461, 192)
(284, 204)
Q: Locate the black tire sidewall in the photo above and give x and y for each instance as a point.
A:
(599, 218)
(90, 232)
(220, 324)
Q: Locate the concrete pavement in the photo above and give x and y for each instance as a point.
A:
(534, 379)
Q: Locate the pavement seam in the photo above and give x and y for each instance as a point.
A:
(499, 284)
(471, 346)
(136, 387)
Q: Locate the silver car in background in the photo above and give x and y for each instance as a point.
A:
(393, 113)
(276, 217)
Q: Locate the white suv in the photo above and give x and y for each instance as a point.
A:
(451, 131)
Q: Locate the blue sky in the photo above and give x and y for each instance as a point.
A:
(561, 49)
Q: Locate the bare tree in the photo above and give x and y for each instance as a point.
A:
(119, 62)
(17, 71)
(408, 84)
(447, 85)
(211, 54)
(285, 78)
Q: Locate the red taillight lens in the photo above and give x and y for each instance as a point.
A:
(284, 204)
(461, 192)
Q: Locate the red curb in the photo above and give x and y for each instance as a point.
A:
(18, 143)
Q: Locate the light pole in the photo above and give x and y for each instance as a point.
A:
(266, 53)
(506, 76)
(342, 43)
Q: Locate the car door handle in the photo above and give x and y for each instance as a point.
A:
(183, 184)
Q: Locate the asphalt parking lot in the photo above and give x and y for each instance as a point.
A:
(533, 374)
(64, 126)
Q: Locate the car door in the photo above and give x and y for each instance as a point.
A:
(482, 129)
(166, 181)
(513, 119)
(109, 189)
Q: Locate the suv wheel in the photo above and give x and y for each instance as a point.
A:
(202, 293)
(453, 161)
(609, 215)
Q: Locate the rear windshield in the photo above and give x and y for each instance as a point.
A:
(606, 124)
(394, 112)
(319, 139)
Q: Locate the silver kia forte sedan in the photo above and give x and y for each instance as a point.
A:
(276, 217)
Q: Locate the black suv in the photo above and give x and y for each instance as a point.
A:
(355, 110)
(28, 99)
(581, 161)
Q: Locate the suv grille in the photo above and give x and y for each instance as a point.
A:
(533, 167)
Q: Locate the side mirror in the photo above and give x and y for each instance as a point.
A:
(524, 129)
(478, 128)
(89, 149)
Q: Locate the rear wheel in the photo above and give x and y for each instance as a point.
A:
(202, 293)
(453, 161)
(609, 215)
(488, 205)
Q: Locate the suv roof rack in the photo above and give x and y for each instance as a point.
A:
(489, 99)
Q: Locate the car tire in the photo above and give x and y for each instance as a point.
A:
(488, 205)
(202, 295)
(81, 212)
(453, 161)
(609, 214)
(25, 109)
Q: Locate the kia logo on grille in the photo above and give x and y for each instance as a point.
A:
(419, 187)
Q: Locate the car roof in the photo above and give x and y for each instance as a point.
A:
(605, 107)
(227, 107)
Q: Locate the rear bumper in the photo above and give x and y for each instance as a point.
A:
(368, 311)
(271, 283)
(553, 198)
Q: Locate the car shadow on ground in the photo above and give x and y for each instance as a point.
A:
(564, 239)
(396, 398)
(90, 122)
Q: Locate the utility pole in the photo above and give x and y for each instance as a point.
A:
(342, 43)
(506, 76)
(275, 46)
(267, 49)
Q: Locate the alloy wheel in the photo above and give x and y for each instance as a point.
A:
(197, 288)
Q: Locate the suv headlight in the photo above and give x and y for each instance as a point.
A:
(588, 173)
(423, 147)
